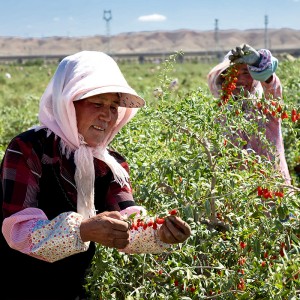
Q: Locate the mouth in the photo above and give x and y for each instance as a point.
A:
(98, 128)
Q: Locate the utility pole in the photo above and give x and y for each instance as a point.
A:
(266, 33)
(217, 39)
(107, 17)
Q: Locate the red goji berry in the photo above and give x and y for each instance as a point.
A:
(243, 245)
(284, 115)
(173, 212)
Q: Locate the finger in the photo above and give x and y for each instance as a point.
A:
(107, 220)
(231, 57)
(234, 53)
(118, 225)
(120, 243)
(239, 60)
(166, 236)
(239, 51)
(112, 214)
(233, 60)
(118, 234)
(181, 225)
(114, 238)
(246, 47)
(173, 233)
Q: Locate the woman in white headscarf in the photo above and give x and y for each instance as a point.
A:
(255, 77)
(63, 190)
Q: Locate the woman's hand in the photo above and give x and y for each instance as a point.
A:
(107, 229)
(245, 55)
(174, 230)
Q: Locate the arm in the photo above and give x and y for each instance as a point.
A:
(265, 66)
(142, 239)
(148, 236)
(111, 227)
(261, 64)
(30, 232)
(264, 72)
(272, 87)
(272, 90)
(25, 227)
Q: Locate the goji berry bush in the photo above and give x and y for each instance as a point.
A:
(244, 219)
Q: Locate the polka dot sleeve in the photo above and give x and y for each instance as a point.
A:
(142, 239)
(29, 231)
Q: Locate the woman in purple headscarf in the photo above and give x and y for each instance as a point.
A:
(255, 77)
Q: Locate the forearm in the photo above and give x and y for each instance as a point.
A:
(266, 67)
(143, 239)
(30, 232)
(272, 88)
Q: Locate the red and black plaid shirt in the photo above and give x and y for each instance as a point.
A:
(34, 173)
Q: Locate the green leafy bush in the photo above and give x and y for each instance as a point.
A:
(243, 245)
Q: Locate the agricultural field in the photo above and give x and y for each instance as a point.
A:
(244, 245)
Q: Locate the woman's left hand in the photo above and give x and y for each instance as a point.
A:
(174, 230)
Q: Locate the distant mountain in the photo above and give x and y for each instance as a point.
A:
(152, 42)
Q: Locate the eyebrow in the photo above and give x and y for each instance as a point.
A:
(116, 101)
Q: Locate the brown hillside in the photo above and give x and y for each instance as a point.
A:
(156, 41)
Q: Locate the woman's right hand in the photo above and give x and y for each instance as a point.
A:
(107, 229)
(245, 54)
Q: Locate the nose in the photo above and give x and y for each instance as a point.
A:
(105, 113)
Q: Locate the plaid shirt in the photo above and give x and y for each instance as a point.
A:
(39, 219)
(32, 157)
(39, 196)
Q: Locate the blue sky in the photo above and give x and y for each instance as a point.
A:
(43, 18)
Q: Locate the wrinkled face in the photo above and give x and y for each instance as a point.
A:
(244, 79)
(96, 116)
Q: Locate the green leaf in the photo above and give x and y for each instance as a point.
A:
(207, 207)
(257, 247)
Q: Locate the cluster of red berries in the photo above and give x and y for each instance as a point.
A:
(295, 116)
(178, 283)
(241, 285)
(229, 84)
(267, 194)
(191, 289)
(152, 222)
(275, 109)
(272, 257)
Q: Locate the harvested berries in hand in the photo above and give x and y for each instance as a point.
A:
(135, 224)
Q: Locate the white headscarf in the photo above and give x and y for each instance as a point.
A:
(79, 76)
